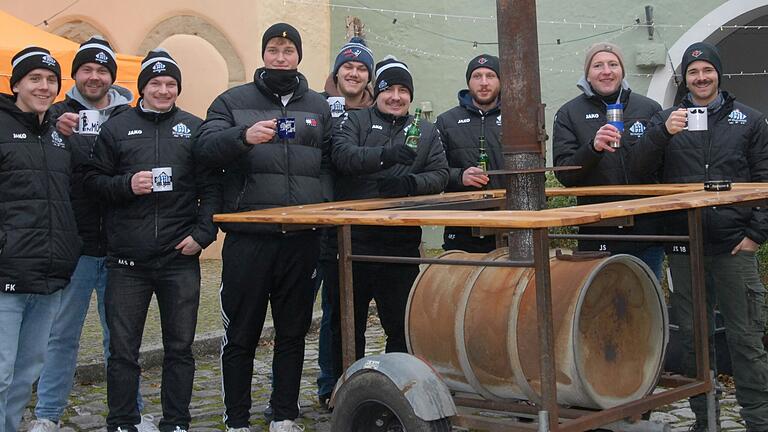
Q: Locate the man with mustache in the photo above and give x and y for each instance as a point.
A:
(372, 160)
(734, 147)
(581, 136)
(477, 116)
(94, 69)
(263, 264)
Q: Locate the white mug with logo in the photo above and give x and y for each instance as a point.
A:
(88, 122)
(697, 119)
(162, 179)
(336, 104)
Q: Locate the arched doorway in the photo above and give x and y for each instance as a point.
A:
(740, 49)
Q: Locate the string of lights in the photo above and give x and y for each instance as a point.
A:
(492, 18)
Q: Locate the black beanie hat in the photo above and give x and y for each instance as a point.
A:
(31, 58)
(95, 50)
(389, 72)
(355, 50)
(483, 61)
(702, 51)
(282, 30)
(158, 62)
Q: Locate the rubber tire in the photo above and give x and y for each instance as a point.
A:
(367, 388)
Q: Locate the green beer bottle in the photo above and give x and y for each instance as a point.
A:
(482, 161)
(414, 131)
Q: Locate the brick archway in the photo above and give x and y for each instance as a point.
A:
(196, 26)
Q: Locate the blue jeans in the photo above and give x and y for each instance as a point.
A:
(129, 292)
(58, 372)
(325, 380)
(653, 256)
(25, 320)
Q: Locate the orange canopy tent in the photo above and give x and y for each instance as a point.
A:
(16, 34)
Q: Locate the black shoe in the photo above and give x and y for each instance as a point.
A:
(324, 399)
(702, 427)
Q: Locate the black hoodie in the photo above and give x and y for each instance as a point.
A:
(735, 148)
(460, 130)
(39, 245)
(574, 129)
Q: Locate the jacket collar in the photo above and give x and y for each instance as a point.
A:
(153, 115)
(466, 102)
(28, 119)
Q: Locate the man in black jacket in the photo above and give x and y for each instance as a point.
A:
(373, 161)
(160, 204)
(39, 244)
(94, 69)
(734, 147)
(477, 116)
(581, 136)
(348, 87)
(262, 264)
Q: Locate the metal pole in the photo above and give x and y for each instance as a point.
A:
(346, 301)
(524, 136)
(546, 328)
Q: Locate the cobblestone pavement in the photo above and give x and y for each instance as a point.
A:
(88, 410)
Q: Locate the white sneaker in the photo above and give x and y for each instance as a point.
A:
(147, 424)
(285, 426)
(242, 429)
(43, 425)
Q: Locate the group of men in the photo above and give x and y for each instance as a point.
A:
(127, 212)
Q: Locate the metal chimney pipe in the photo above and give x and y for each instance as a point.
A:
(523, 134)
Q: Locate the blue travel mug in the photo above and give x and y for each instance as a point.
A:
(615, 115)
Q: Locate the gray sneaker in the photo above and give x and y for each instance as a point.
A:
(241, 429)
(43, 425)
(285, 426)
(147, 424)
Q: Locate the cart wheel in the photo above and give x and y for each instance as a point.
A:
(370, 402)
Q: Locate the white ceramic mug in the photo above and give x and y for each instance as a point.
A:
(162, 179)
(88, 122)
(697, 119)
(336, 104)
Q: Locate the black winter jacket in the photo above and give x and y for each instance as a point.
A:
(282, 172)
(357, 153)
(575, 126)
(735, 147)
(144, 230)
(89, 212)
(39, 245)
(460, 130)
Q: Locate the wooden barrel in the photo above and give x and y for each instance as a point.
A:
(477, 327)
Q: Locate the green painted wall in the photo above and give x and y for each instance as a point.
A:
(437, 48)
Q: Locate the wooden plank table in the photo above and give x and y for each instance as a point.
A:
(402, 212)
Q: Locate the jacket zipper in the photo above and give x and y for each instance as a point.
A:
(287, 163)
(48, 198)
(157, 164)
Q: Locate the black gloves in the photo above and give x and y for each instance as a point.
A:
(398, 153)
(391, 187)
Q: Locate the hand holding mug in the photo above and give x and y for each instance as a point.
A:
(66, 123)
(676, 121)
(141, 183)
(261, 132)
(605, 136)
